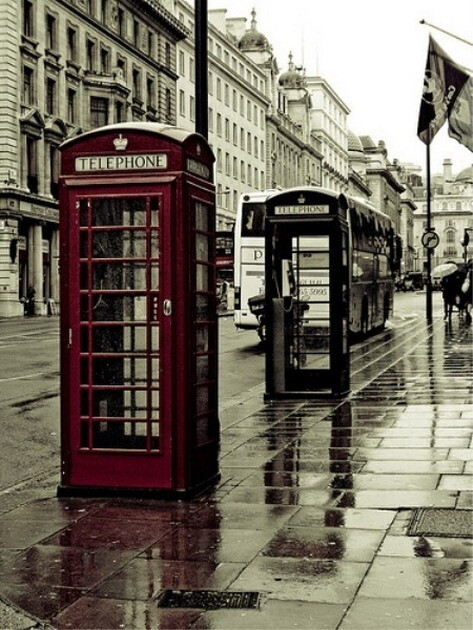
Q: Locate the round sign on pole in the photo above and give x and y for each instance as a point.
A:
(430, 239)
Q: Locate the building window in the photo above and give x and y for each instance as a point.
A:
(119, 112)
(219, 89)
(235, 168)
(191, 70)
(235, 134)
(71, 105)
(28, 18)
(104, 61)
(104, 12)
(54, 170)
(90, 55)
(51, 34)
(211, 119)
(227, 94)
(98, 111)
(219, 160)
(167, 55)
(136, 84)
(227, 163)
(182, 103)
(150, 43)
(150, 93)
(227, 130)
(136, 33)
(168, 105)
(90, 6)
(71, 43)
(450, 236)
(32, 164)
(121, 23)
(219, 124)
(50, 96)
(182, 64)
(211, 83)
(28, 86)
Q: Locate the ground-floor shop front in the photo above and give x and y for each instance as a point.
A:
(29, 255)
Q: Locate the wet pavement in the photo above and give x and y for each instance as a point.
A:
(312, 514)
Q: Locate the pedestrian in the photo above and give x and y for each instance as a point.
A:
(224, 295)
(30, 300)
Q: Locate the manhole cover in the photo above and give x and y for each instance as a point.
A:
(209, 600)
(446, 522)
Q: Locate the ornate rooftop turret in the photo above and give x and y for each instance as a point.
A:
(253, 39)
(354, 143)
(292, 78)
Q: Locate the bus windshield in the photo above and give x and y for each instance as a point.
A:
(252, 219)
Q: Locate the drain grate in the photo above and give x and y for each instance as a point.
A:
(209, 600)
(446, 522)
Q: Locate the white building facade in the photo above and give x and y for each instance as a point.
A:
(68, 66)
(451, 216)
(329, 121)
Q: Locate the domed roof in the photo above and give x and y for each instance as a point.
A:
(466, 175)
(354, 142)
(253, 38)
(292, 78)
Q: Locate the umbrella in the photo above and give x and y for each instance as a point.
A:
(444, 270)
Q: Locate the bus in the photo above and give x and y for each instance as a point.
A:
(224, 253)
(249, 255)
(373, 261)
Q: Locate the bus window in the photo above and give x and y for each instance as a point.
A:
(253, 216)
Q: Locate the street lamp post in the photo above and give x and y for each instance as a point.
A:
(201, 71)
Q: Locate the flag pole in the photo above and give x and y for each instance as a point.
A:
(465, 41)
(428, 306)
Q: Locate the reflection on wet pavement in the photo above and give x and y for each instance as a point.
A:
(312, 511)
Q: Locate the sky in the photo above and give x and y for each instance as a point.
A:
(373, 54)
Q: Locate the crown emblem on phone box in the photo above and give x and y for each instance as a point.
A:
(120, 143)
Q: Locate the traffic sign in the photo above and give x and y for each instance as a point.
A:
(430, 239)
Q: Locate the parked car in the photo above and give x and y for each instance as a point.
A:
(411, 281)
(417, 280)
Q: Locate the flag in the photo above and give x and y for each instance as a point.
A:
(443, 82)
(460, 119)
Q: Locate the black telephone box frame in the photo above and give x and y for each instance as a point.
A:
(307, 295)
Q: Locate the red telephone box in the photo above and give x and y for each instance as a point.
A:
(139, 408)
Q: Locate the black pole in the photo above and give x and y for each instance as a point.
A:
(428, 307)
(201, 76)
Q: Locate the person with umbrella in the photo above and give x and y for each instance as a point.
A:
(457, 289)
